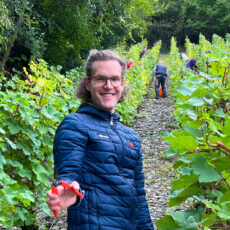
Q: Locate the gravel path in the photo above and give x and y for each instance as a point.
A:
(156, 116)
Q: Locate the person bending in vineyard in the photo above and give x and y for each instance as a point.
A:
(161, 73)
(192, 65)
(94, 152)
(142, 53)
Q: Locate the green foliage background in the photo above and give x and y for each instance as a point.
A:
(62, 32)
(30, 112)
(202, 110)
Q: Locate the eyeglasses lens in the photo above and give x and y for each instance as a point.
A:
(101, 81)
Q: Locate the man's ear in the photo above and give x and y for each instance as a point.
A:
(87, 83)
(123, 82)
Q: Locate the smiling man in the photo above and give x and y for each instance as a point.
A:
(94, 152)
(105, 85)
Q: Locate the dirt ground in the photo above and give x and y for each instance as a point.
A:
(156, 116)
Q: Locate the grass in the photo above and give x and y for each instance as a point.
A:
(165, 59)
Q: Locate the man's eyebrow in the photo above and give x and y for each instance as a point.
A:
(99, 76)
(106, 76)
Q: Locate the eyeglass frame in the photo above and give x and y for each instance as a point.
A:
(106, 79)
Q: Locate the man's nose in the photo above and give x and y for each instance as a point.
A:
(108, 83)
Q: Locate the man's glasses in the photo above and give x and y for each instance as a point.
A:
(101, 81)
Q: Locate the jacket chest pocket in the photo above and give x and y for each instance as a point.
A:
(101, 148)
(100, 141)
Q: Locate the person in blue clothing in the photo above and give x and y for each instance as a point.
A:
(161, 73)
(192, 64)
(142, 53)
(94, 152)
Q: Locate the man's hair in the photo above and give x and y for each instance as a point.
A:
(103, 55)
(99, 55)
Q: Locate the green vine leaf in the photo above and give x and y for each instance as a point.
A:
(13, 146)
(196, 101)
(220, 113)
(188, 220)
(41, 173)
(13, 126)
(184, 181)
(226, 128)
(205, 171)
(186, 90)
(2, 131)
(180, 196)
(25, 173)
(167, 223)
(222, 163)
(188, 143)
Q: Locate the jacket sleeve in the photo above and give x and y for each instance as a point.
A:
(69, 148)
(145, 222)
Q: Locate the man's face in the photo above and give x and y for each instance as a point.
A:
(105, 96)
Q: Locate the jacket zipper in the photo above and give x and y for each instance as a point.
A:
(111, 121)
(123, 148)
(122, 156)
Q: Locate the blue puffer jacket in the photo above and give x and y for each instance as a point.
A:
(93, 148)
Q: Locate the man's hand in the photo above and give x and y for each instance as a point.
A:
(64, 199)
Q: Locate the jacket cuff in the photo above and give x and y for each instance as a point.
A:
(78, 201)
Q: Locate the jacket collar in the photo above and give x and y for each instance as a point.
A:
(89, 109)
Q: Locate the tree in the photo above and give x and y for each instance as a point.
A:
(77, 26)
(183, 18)
(19, 23)
(65, 35)
(165, 23)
